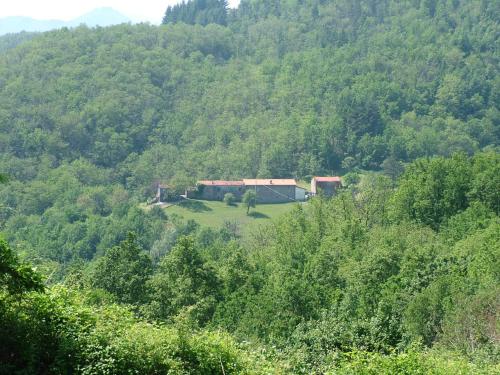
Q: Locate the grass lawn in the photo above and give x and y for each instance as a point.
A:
(214, 214)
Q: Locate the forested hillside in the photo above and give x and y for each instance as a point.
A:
(399, 271)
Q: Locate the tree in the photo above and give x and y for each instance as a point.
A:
(486, 181)
(184, 280)
(351, 178)
(371, 199)
(229, 199)
(123, 271)
(433, 190)
(16, 277)
(249, 199)
(392, 167)
(179, 183)
(200, 12)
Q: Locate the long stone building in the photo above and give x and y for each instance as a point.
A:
(272, 190)
(214, 190)
(267, 190)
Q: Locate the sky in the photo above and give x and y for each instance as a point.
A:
(136, 10)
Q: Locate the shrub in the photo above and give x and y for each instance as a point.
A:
(229, 199)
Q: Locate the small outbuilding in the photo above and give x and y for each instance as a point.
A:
(325, 185)
(162, 193)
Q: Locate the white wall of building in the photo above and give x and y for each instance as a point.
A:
(300, 194)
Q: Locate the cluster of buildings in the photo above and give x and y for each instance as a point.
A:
(267, 190)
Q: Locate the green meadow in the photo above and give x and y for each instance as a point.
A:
(214, 213)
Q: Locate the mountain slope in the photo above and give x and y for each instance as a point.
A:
(9, 25)
(97, 17)
(290, 91)
(100, 17)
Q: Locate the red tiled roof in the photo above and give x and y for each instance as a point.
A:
(220, 183)
(272, 181)
(327, 179)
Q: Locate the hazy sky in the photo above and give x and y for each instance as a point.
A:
(136, 10)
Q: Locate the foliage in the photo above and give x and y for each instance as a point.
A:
(283, 89)
(184, 280)
(339, 285)
(10, 41)
(432, 191)
(229, 199)
(200, 12)
(16, 277)
(249, 199)
(123, 271)
(412, 363)
(59, 332)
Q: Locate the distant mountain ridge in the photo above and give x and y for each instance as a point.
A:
(98, 17)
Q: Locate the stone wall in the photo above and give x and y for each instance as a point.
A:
(273, 193)
(216, 192)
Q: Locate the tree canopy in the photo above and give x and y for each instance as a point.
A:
(202, 12)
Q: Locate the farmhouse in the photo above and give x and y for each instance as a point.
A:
(325, 185)
(267, 190)
(272, 190)
(214, 190)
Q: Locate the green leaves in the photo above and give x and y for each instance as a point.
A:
(16, 277)
(62, 332)
(183, 280)
(201, 12)
(249, 199)
(229, 199)
(433, 190)
(123, 271)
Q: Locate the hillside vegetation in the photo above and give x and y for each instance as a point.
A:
(397, 274)
(91, 119)
(376, 280)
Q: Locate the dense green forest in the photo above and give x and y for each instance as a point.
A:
(399, 273)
